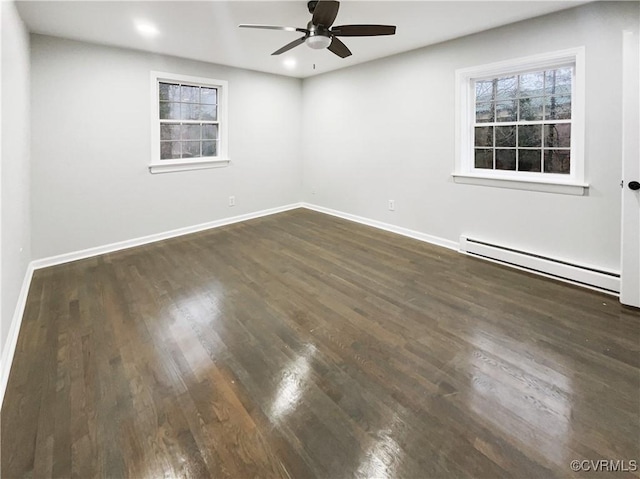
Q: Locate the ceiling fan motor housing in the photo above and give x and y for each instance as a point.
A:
(318, 36)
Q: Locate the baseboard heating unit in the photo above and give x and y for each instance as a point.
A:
(606, 281)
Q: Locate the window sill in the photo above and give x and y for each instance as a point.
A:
(169, 166)
(565, 188)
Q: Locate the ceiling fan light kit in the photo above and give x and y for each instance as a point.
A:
(319, 34)
(318, 42)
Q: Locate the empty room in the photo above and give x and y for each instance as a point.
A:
(320, 239)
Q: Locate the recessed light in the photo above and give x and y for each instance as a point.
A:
(289, 63)
(147, 29)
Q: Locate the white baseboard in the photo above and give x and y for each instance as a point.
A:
(386, 226)
(588, 276)
(9, 347)
(120, 245)
(581, 275)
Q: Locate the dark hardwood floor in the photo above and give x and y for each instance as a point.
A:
(299, 346)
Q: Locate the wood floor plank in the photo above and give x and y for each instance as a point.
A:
(300, 345)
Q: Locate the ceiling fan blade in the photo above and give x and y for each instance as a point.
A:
(273, 27)
(291, 45)
(325, 13)
(363, 30)
(339, 48)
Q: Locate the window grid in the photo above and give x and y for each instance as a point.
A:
(553, 99)
(200, 107)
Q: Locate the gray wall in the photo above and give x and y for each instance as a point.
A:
(378, 131)
(15, 228)
(385, 130)
(91, 147)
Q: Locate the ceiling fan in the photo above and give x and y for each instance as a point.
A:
(319, 32)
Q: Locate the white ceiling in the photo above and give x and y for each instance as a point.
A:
(208, 30)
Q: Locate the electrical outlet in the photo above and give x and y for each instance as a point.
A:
(392, 205)
(232, 200)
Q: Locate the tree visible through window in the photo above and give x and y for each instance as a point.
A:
(188, 121)
(189, 128)
(523, 122)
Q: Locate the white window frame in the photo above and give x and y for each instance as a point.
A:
(465, 171)
(184, 164)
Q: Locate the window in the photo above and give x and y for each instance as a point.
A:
(188, 123)
(520, 123)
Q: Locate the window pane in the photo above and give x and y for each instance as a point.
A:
(505, 159)
(484, 112)
(190, 132)
(530, 135)
(484, 91)
(190, 94)
(506, 111)
(506, 88)
(558, 81)
(169, 150)
(558, 107)
(209, 148)
(169, 92)
(531, 109)
(210, 132)
(190, 112)
(531, 84)
(190, 149)
(170, 131)
(557, 135)
(557, 161)
(483, 158)
(169, 111)
(209, 96)
(529, 160)
(208, 112)
(505, 108)
(484, 136)
(505, 135)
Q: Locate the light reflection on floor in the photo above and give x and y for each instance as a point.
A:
(291, 387)
(382, 458)
(517, 402)
(188, 315)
